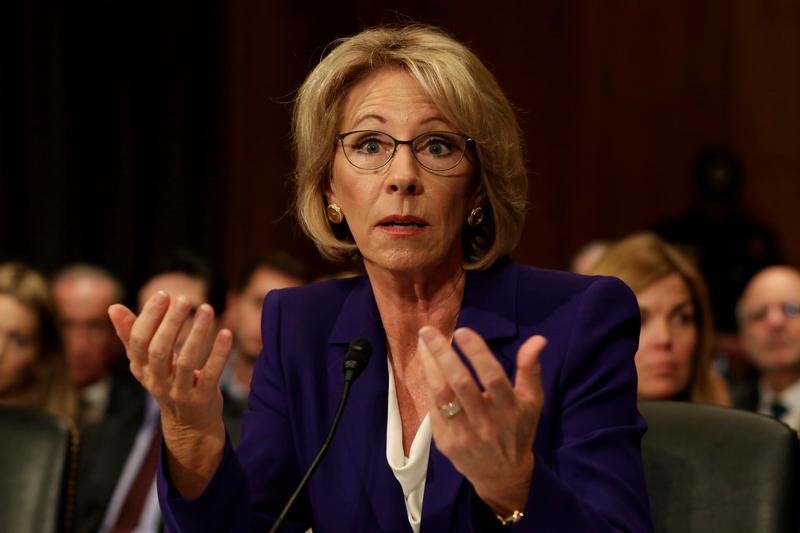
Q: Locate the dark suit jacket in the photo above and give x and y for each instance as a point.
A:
(104, 448)
(588, 474)
(744, 394)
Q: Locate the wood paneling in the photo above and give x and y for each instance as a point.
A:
(614, 97)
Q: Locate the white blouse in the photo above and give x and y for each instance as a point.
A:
(410, 471)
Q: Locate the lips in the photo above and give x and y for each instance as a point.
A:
(402, 221)
(777, 343)
(663, 368)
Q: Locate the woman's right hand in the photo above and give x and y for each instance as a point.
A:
(184, 381)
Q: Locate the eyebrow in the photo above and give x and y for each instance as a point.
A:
(382, 120)
(679, 306)
(369, 116)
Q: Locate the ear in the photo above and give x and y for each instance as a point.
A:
(330, 194)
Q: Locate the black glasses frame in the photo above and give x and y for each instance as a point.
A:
(790, 309)
(397, 142)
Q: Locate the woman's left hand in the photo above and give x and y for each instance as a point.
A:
(490, 439)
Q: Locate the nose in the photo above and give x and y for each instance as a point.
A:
(76, 342)
(775, 317)
(403, 175)
(661, 334)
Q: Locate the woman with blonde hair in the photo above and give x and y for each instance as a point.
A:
(408, 160)
(33, 370)
(674, 359)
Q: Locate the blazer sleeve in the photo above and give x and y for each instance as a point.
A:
(251, 484)
(591, 479)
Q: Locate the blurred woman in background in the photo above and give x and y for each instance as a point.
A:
(674, 360)
(33, 371)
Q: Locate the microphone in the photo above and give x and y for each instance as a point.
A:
(355, 360)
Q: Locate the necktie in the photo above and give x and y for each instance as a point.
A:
(778, 409)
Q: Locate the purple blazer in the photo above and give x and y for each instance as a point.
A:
(588, 475)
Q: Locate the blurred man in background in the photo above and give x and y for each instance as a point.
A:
(95, 360)
(769, 320)
(275, 271)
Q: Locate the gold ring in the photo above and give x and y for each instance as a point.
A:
(450, 409)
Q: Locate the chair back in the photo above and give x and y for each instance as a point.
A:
(713, 469)
(35, 461)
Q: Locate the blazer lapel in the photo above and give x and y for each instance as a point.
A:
(363, 422)
(489, 308)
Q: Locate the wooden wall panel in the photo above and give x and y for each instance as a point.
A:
(764, 88)
(614, 97)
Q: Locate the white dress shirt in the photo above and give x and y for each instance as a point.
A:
(93, 401)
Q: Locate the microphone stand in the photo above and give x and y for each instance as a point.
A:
(355, 360)
(315, 462)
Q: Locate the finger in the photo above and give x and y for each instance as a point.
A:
(438, 390)
(162, 346)
(122, 318)
(219, 356)
(455, 373)
(490, 373)
(195, 349)
(528, 384)
(145, 327)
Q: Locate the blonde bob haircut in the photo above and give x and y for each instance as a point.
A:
(466, 94)
(643, 259)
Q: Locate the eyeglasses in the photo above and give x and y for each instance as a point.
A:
(789, 310)
(437, 151)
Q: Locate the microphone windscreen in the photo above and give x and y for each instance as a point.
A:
(357, 356)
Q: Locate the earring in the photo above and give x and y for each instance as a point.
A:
(475, 216)
(334, 213)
